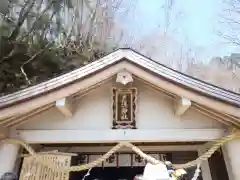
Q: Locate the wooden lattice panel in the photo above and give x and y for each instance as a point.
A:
(31, 170)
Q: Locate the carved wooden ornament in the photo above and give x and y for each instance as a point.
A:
(124, 108)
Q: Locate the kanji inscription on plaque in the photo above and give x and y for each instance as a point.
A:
(124, 107)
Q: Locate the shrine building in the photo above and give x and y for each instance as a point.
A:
(79, 116)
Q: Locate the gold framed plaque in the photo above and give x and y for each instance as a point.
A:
(124, 108)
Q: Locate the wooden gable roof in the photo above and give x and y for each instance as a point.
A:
(198, 91)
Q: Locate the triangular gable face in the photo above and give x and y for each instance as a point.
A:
(126, 67)
(97, 109)
(99, 114)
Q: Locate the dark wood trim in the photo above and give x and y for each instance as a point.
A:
(113, 144)
(217, 166)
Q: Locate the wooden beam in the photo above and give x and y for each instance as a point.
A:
(105, 148)
(4, 132)
(53, 152)
(181, 106)
(110, 136)
(65, 106)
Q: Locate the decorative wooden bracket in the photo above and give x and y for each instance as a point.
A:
(124, 77)
(4, 132)
(65, 105)
(181, 106)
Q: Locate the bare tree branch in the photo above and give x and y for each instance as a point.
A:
(22, 16)
(37, 19)
(231, 17)
(31, 59)
(7, 18)
(230, 38)
(47, 25)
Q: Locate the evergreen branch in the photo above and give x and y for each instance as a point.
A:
(22, 16)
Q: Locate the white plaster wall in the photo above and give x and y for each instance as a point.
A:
(94, 112)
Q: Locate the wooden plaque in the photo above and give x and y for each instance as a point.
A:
(124, 108)
(31, 170)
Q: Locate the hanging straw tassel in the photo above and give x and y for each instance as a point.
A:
(197, 172)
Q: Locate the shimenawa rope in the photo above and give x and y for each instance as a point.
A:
(49, 164)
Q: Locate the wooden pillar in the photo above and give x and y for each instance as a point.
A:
(231, 152)
(8, 157)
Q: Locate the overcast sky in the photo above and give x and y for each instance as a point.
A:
(196, 21)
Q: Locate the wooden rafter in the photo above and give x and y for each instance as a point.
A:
(223, 118)
(18, 120)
